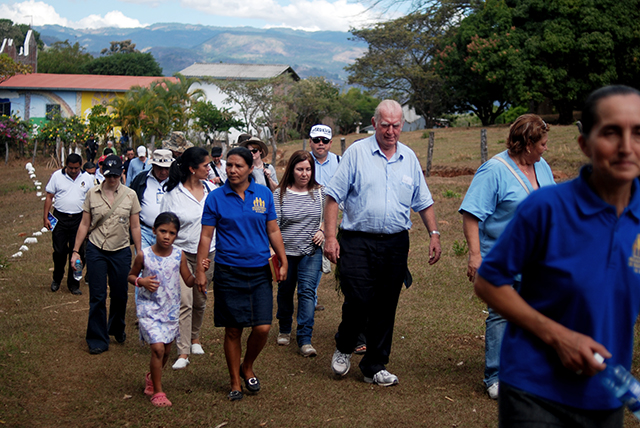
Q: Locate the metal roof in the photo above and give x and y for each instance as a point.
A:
(238, 71)
(77, 82)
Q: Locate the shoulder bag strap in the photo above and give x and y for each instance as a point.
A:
(515, 174)
(106, 216)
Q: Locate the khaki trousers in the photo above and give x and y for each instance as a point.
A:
(192, 306)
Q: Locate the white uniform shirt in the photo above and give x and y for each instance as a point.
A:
(182, 203)
(151, 200)
(222, 171)
(69, 194)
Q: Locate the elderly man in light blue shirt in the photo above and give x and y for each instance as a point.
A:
(379, 181)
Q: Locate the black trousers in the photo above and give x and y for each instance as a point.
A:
(63, 239)
(519, 409)
(372, 270)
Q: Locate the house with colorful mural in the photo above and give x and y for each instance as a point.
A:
(38, 97)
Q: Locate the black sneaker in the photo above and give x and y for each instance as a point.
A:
(55, 286)
(76, 291)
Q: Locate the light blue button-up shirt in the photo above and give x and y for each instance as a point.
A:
(378, 194)
(324, 171)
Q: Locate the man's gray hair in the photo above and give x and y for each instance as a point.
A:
(387, 105)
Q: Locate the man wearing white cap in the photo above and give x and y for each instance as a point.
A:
(326, 162)
(149, 187)
(137, 165)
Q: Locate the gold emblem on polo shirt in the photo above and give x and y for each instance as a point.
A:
(259, 206)
(634, 260)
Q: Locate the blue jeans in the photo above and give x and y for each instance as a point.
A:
(492, 344)
(147, 236)
(101, 265)
(303, 270)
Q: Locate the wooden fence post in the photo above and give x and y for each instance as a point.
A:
(432, 140)
(483, 145)
(304, 144)
(343, 144)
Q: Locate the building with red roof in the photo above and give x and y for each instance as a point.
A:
(39, 96)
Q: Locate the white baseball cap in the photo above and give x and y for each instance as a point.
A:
(320, 131)
(142, 151)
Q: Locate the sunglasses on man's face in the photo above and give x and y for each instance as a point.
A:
(319, 140)
(254, 151)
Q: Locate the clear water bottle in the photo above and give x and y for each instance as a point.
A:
(77, 270)
(622, 384)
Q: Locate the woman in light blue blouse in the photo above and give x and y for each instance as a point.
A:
(497, 188)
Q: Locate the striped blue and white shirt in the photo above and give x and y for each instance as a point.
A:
(299, 218)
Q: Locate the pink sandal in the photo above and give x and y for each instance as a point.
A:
(160, 400)
(148, 385)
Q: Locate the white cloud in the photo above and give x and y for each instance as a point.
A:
(41, 13)
(37, 12)
(310, 15)
(114, 18)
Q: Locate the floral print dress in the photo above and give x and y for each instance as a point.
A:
(158, 312)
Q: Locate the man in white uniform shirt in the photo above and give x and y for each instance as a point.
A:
(68, 186)
(149, 186)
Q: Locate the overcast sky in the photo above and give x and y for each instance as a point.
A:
(310, 15)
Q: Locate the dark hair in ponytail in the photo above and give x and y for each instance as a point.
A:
(179, 170)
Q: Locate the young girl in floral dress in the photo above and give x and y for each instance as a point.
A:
(158, 305)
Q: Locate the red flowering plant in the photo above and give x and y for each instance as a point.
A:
(14, 132)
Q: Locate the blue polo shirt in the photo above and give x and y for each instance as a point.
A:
(495, 193)
(241, 225)
(580, 266)
(379, 193)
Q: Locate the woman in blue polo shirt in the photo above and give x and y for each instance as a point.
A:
(244, 216)
(577, 246)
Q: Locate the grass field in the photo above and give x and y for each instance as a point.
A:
(48, 378)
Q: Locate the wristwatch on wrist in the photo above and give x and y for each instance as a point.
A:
(434, 232)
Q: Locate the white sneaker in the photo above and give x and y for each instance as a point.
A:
(382, 378)
(308, 351)
(284, 339)
(196, 349)
(340, 363)
(493, 391)
(181, 363)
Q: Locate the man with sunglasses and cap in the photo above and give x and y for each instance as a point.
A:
(149, 187)
(326, 162)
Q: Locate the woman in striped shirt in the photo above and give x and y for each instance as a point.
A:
(299, 202)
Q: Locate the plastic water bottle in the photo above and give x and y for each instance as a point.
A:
(622, 384)
(77, 270)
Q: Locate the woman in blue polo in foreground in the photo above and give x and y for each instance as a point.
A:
(244, 216)
(577, 246)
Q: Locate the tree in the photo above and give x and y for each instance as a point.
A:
(263, 104)
(9, 67)
(400, 60)
(14, 132)
(359, 109)
(210, 120)
(130, 64)
(481, 64)
(100, 121)
(312, 100)
(63, 58)
(124, 46)
(178, 98)
(519, 51)
(17, 32)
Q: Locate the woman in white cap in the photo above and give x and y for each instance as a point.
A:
(263, 173)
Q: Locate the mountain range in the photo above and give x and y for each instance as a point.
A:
(177, 46)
